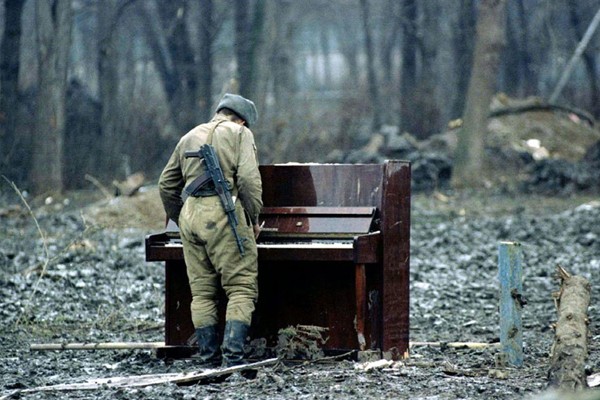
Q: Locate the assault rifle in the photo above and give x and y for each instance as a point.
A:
(214, 174)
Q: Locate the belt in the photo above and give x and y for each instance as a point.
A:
(204, 192)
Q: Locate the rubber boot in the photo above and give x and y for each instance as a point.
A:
(234, 339)
(208, 346)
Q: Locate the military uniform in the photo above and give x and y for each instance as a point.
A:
(210, 249)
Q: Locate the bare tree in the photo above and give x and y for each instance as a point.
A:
(469, 157)
(205, 58)
(324, 41)
(249, 23)
(463, 39)
(389, 37)
(53, 41)
(108, 82)
(427, 102)
(370, 61)
(519, 80)
(408, 73)
(168, 38)
(588, 55)
(282, 59)
(10, 52)
(347, 36)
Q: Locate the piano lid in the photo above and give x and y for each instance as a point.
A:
(315, 222)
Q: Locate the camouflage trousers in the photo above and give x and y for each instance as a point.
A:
(213, 259)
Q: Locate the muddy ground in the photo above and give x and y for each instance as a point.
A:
(80, 276)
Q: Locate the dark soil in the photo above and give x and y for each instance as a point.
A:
(82, 278)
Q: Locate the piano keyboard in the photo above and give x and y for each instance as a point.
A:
(315, 244)
(308, 245)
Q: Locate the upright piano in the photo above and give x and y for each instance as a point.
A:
(333, 253)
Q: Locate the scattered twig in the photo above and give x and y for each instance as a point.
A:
(562, 273)
(335, 357)
(456, 345)
(44, 243)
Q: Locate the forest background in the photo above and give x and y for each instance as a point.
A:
(97, 90)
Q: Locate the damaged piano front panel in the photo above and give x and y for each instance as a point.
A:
(334, 252)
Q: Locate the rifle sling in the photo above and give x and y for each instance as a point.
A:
(192, 188)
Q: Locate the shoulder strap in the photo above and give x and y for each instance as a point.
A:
(212, 131)
(203, 179)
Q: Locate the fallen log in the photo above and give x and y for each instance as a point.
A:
(518, 109)
(130, 185)
(185, 378)
(570, 349)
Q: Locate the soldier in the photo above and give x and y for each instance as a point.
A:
(209, 246)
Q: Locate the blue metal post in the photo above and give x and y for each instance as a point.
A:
(511, 290)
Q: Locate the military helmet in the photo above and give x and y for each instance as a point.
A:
(241, 106)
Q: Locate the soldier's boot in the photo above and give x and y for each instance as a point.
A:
(234, 339)
(208, 346)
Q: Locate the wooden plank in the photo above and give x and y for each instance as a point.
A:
(395, 232)
(361, 304)
(511, 291)
(97, 346)
(178, 318)
(144, 380)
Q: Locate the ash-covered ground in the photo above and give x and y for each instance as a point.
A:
(75, 280)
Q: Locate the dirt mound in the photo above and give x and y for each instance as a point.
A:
(530, 147)
(142, 210)
(544, 131)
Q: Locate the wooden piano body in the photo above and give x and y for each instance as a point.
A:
(334, 252)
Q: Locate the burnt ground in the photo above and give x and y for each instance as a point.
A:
(85, 280)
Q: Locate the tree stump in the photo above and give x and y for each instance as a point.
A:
(570, 350)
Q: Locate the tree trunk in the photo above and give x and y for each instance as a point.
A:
(326, 52)
(10, 52)
(284, 86)
(570, 350)
(205, 60)
(517, 78)
(581, 48)
(426, 99)
(528, 78)
(469, 157)
(588, 57)
(172, 15)
(248, 33)
(370, 60)
(408, 74)
(463, 49)
(346, 37)
(108, 87)
(388, 43)
(53, 41)
(169, 43)
(510, 71)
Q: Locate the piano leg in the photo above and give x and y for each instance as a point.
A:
(361, 304)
